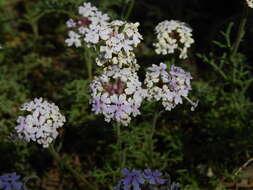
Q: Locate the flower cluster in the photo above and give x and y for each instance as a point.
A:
(87, 26)
(10, 181)
(150, 179)
(117, 94)
(169, 87)
(173, 36)
(120, 38)
(250, 3)
(42, 122)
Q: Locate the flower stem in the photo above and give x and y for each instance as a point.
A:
(88, 62)
(121, 159)
(129, 9)
(150, 140)
(68, 167)
(240, 32)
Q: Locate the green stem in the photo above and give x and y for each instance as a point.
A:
(240, 32)
(88, 62)
(151, 143)
(129, 9)
(67, 166)
(119, 144)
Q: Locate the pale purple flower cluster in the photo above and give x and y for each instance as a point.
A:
(169, 87)
(136, 180)
(114, 39)
(42, 122)
(10, 181)
(87, 27)
(117, 94)
(119, 38)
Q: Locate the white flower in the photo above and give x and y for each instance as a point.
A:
(87, 26)
(169, 87)
(173, 36)
(41, 124)
(74, 39)
(250, 3)
(117, 94)
(119, 40)
(122, 60)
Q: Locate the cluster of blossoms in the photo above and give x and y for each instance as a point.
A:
(115, 40)
(10, 181)
(42, 122)
(137, 180)
(117, 94)
(120, 38)
(173, 36)
(87, 26)
(169, 87)
(250, 3)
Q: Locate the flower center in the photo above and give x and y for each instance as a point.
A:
(116, 87)
(84, 22)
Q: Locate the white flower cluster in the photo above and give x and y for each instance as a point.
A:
(173, 36)
(250, 3)
(123, 60)
(41, 124)
(119, 36)
(169, 87)
(117, 94)
(87, 27)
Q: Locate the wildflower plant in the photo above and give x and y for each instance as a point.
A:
(10, 181)
(148, 179)
(173, 36)
(117, 94)
(168, 86)
(42, 122)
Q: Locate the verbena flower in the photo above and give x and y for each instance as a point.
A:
(119, 38)
(168, 86)
(132, 180)
(250, 3)
(173, 36)
(123, 60)
(41, 123)
(10, 181)
(117, 94)
(85, 28)
(153, 177)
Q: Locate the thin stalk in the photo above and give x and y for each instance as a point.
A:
(240, 35)
(150, 140)
(67, 166)
(88, 63)
(240, 32)
(121, 159)
(129, 9)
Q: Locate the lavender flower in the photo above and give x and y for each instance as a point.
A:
(10, 181)
(120, 38)
(41, 124)
(86, 28)
(153, 177)
(117, 94)
(132, 179)
(169, 87)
